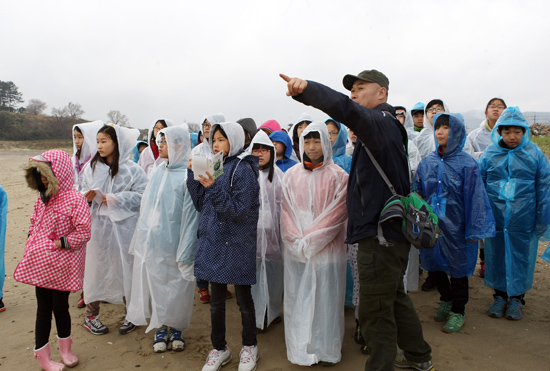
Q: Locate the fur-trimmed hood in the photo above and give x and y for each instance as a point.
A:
(55, 165)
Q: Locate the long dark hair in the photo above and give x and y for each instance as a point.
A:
(77, 154)
(271, 159)
(111, 132)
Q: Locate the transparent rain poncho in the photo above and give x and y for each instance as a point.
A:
(88, 150)
(108, 272)
(425, 141)
(518, 184)
(204, 149)
(268, 290)
(147, 159)
(165, 237)
(478, 140)
(313, 229)
(454, 189)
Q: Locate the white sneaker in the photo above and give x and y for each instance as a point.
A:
(249, 356)
(216, 359)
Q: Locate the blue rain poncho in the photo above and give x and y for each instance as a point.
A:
(135, 151)
(3, 215)
(267, 293)
(165, 242)
(454, 189)
(286, 163)
(339, 155)
(518, 184)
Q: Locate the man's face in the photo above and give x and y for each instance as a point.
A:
(400, 114)
(512, 136)
(418, 119)
(433, 110)
(367, 94)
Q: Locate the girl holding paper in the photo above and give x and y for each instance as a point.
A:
(108, 272)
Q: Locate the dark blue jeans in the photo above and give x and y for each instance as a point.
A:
(218, 292)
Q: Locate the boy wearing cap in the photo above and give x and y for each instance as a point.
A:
(417, 113)
(386, 313)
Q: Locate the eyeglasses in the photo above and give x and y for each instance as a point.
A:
(162, 143)
(436, 110)
(206, 125)
(493, 106)
(260, 150)
(333, 133)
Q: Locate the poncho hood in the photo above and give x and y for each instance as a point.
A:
(262, 138)
(281, 136)
(126, 139)
(321, 128)
(135, 150)
(179, 145)
(55, 165)
(235, 136)
(417, 107)
(512, 116)
(249, 125)
(339, 146)
(212, 119)
(89, 132)
(457, 132)
(271, 125)
(169, 123)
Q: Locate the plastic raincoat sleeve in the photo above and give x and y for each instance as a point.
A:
(82, 223)
(236, 202)
(187, 247)
(543, 197)
(126, 204)
(480, 222)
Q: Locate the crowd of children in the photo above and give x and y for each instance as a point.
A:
(143, 233)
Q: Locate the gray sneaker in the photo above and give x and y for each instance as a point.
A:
(402, 362)
(126, 327)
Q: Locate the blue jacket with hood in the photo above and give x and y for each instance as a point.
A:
(286, 163)
(228, 220)
(453, 187)
(339, 155)
(517, 181)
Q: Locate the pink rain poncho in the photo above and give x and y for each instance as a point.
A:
(108, 273)
(268, 290)
(165, 241)
(313, 229)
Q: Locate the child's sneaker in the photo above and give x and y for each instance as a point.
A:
(443, 311)
(249, 356)
(2, 307)
(178, 344)
(402, 362)
(496, 310)
(161, 341)
(482, 269)
(81, 303)
(514, 310)
(216, 359)
(94, 325)
(204, 296)
(126, 327)
(454, 323)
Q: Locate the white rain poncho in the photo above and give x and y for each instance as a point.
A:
(425, 141)
(203, 148)
(268, 290)
(147, 159)
(313, 229)
(165, 237)
(88, 150)
(478, 140)
(108, 270)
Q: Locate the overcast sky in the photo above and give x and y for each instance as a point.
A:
(186, 59)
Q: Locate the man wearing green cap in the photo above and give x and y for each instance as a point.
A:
(386, 312)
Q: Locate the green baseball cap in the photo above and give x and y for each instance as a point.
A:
(368, 76)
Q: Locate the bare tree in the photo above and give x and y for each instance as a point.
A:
(118, 118)
(60, 112)
(75, 110)
(35, 107)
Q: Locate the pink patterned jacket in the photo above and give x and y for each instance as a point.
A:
(67, 215)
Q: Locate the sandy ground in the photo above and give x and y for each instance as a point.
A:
(483, 344)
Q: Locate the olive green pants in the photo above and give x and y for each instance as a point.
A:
(386, 312)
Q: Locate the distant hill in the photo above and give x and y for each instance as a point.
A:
(473, 118)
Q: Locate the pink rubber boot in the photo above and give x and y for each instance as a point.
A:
(43, 356)
(67, 356)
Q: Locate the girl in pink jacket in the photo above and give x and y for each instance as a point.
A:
(55, 251)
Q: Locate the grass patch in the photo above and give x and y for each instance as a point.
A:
(543, 143)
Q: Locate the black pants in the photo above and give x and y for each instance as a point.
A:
(49, 301)
(455, 290)
(504, 295)
(218, 293)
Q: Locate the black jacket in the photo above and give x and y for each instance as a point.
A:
(385, 137)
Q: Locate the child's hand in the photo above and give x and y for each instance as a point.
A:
(190, 164)
(206, 182)
(57, 243)
(90, 195)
